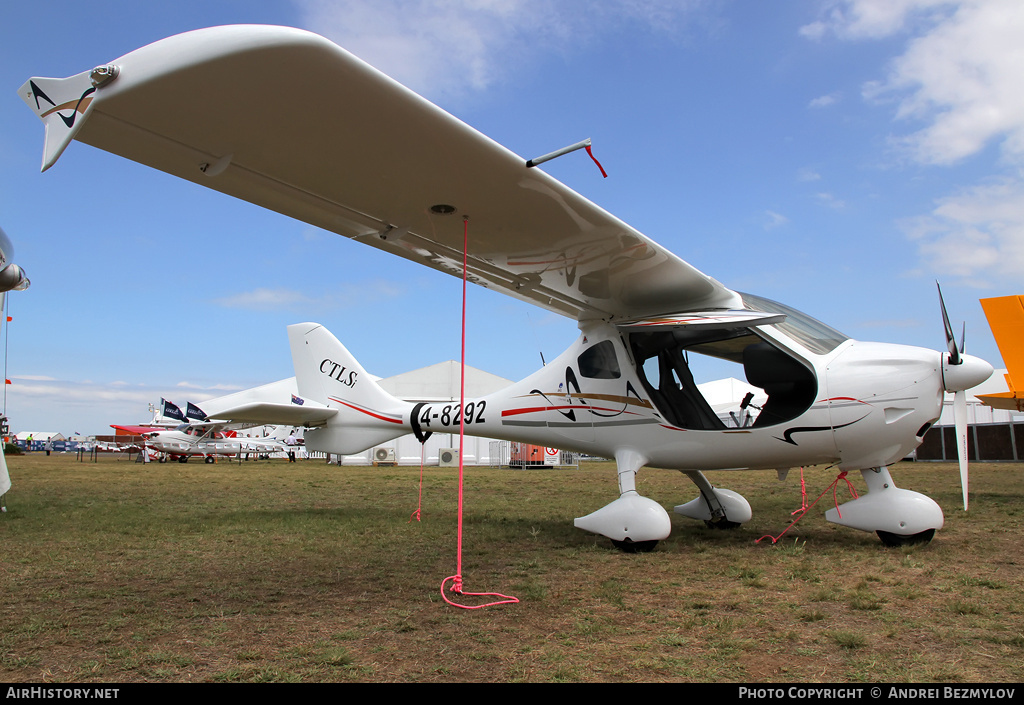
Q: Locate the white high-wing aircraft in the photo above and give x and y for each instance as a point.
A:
(12, 278)
(290, 121)
(209, 441)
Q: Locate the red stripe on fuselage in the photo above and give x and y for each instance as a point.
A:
(367, 411)
(570, 407)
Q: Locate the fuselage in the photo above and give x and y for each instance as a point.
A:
(825, 399)
(811, 395)
(872, 405)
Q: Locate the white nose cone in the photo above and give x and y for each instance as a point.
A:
(971, 372)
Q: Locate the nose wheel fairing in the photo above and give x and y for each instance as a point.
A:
(904, 515)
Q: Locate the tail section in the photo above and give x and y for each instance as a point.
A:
(1005, 316)
(327, 373)
(280, 433)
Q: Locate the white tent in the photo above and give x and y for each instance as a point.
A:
(435, 383)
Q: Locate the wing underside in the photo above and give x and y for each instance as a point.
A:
(289, 121)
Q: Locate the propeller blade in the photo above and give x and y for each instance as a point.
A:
(960, 421)
(954, 354)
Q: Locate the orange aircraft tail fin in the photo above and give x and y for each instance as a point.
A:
(1005, 316)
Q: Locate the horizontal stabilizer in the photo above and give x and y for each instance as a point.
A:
(1010, 401)
(267, 413)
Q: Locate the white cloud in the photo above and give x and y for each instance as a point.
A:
(824, 101)
(976, 235)
(870, 19)
(957, 85)
(959, 75)
(774, 220)
(69, 406)
(454, 47)
(829, 201)
(263, 299)
(281, 299)
(213, 387)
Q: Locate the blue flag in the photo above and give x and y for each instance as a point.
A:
(173, 411)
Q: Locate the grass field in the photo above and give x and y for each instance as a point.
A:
(119, 572)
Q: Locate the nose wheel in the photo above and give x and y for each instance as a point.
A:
(722, 524)
(895, 540)
(628, 546)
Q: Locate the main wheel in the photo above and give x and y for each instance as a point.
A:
(630, 546)
(209, 459)
(722, 524)
(896, 540)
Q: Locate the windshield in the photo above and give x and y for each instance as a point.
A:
(812, 333)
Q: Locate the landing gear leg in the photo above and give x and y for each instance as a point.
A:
(633, 523)
(718, 508)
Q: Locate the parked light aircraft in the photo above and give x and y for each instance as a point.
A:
(210, 440)
(290, 121)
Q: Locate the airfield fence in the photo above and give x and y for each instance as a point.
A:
(990, 442)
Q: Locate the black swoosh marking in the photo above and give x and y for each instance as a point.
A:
(788, 434)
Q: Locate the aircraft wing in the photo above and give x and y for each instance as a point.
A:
(139, 430)
(290, 121)
(274, 404)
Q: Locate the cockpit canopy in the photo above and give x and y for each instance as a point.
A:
(809, 332)
(666, 362)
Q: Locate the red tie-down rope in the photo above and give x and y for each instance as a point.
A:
(419, 503)
(835, 489)
(457, 578)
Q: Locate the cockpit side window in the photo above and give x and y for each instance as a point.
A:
(599, 362)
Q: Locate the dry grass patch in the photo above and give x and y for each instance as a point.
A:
(270, 572)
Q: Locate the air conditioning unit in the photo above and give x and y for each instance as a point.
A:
(384, 456)
(448, 457)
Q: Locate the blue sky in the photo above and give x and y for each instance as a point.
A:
(836, 155)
